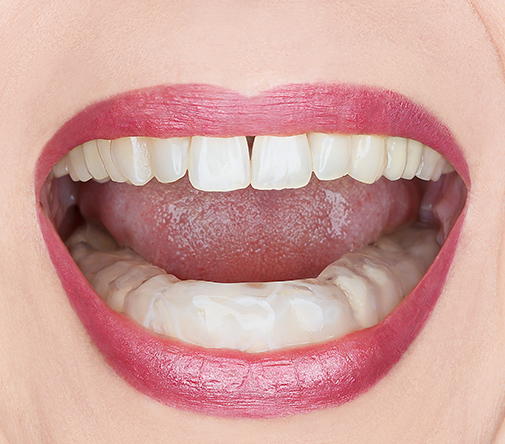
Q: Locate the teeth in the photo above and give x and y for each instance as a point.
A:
(61, 169)
(331, 155)
(93, 160)
(356, 291)
(414, 157)
(104, 148)
(222, 164)
(280, 162)
(429, 164)
(219, 164)
(132, 159)
(396, 148)
(169, 158)
(369, 158)
(76, 158)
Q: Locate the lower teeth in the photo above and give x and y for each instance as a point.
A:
(356, 291)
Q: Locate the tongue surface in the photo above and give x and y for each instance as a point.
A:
(248, 235)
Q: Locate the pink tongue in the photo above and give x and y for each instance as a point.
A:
(248, 235)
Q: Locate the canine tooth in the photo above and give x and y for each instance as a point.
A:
(60, 169)
(104, 148)
(169, 158)
(76, 158)
(131, 157)
(93, 160)
(219, 164)
(396, 148)
(369, 158)
(280, 162)
(414, 156)
(331, 155)
(429, 163)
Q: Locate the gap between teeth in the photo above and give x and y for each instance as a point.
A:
(356, 291)
(223, 164)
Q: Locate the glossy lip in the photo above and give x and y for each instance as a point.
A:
(226, 382)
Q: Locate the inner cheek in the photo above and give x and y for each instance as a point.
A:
(249, 235)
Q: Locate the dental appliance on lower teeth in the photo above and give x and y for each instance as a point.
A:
(356, 291)
(224, 164)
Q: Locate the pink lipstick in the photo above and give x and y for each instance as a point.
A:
(227, 382)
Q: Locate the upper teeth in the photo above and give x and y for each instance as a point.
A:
(223, 164)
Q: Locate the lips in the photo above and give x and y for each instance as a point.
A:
(227, 382)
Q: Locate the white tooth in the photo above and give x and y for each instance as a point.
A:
(442, 167)
(94, 161)
(104, 150)
(396, 148)
(369, 158)
(169, 158)
(60, 169)
(429, 163)
(131, 157)
(219, 164)
(331, 155)
(446, 167)
(76, 157)
(280, 162)
(414, 156)
(71, 171)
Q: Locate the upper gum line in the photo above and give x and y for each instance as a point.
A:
(224, 164)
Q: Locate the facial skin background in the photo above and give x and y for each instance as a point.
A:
(58, 57)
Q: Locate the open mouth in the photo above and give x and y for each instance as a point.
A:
(253, 256)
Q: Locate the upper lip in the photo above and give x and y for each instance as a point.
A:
(228, 382)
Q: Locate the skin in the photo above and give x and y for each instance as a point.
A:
(58, 57)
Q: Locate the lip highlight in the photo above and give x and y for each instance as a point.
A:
(227, 382)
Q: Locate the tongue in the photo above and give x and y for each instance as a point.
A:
(248, 235)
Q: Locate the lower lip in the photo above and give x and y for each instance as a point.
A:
(232, 383)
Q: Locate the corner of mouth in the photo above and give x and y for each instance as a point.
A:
(220, 381)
